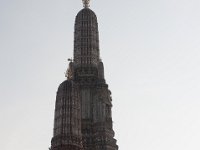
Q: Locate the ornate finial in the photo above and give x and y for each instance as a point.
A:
(69, 73)
(86, 3)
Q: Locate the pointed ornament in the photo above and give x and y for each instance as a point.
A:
(86, 3)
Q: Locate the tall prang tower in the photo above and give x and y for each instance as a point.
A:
(83, 119)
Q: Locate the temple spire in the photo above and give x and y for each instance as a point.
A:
(86, 3)
(86, 38)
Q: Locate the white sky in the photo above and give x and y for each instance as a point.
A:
(151, 53)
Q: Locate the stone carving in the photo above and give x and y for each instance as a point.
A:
(83, 118)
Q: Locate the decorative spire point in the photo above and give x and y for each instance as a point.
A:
(86, 3)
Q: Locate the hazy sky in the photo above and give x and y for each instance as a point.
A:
(151, 54)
